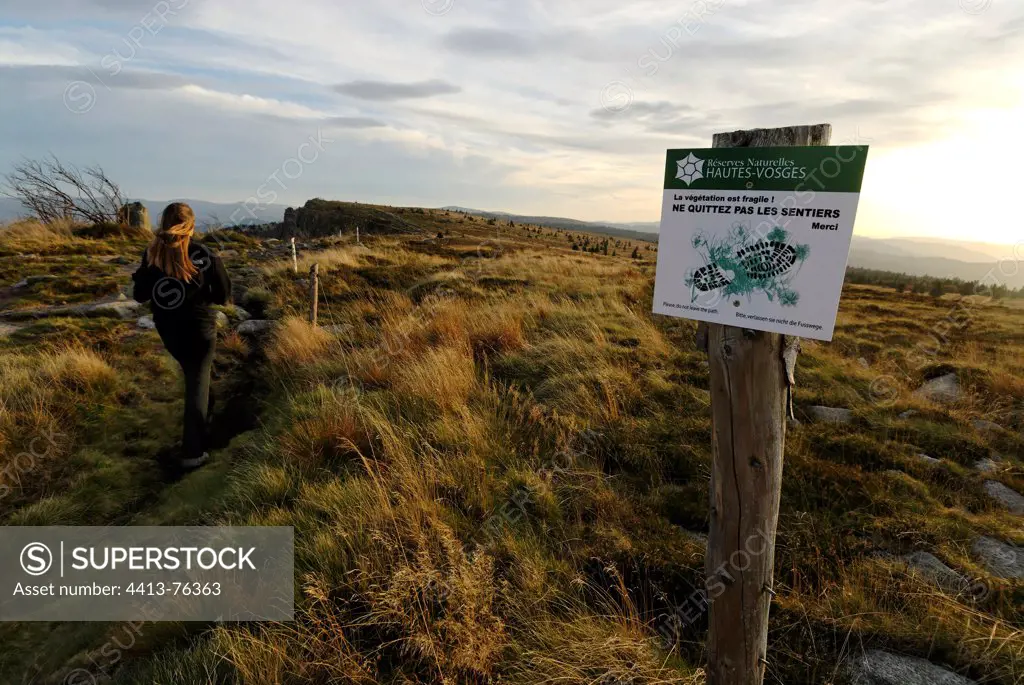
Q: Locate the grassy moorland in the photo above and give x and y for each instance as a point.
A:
(496, 462)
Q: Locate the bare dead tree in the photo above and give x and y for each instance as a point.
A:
(53, 191)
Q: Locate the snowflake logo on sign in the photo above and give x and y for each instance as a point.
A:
(690, 169)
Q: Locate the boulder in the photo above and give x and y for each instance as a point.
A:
(1010, 499)
(929, 566)
(1001, 559)
(146, 323)
(831, 414)
(942, 389)
(883, 668)
(256, 326)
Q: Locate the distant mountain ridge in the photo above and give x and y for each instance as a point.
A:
(634, 231)
(207, 213)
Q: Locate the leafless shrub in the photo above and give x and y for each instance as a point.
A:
(54, 191)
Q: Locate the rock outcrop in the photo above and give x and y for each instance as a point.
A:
(134, 215)
(318, 218)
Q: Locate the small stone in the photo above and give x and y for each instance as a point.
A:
(908, 414)
(942, 389)
(146, 323)
(986, 465)
(1001, 559)
(928, 565)
(1010, 499)
(700, 538)
(929, 460)
(240, 314)
(118, 309)
(831, 414)
(32, 280)
(256, 326)
(882, 668)
(222, 320)
(864, 362)
(7, 329)
(983, 426)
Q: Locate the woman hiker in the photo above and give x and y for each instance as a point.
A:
(182, 278)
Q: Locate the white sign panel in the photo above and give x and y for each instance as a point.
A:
(758, 237)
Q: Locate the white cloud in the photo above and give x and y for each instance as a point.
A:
(523, 83)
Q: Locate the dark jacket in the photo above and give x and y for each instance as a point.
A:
(181, 307)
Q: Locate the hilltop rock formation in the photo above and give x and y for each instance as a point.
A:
(318, 218)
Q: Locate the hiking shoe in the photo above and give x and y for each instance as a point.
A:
(195, 462)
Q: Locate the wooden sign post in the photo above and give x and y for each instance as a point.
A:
(314, 292)
(748, 405)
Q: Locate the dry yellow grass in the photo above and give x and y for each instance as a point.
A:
(493, 472)
(443, 376)
(78, 369)
(297, 342)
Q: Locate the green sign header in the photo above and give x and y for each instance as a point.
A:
(835, 169)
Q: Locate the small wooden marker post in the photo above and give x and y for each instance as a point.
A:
(748, 407)
(295, 257)
(314, 292)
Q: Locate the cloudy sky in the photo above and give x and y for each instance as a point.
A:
(558, 107)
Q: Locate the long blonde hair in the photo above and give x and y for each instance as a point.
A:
(169, 249)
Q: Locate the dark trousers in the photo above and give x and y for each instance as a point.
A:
(194, 351)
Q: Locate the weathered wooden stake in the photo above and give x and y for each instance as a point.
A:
(748, 406)
(314, 292)
(295, 257)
